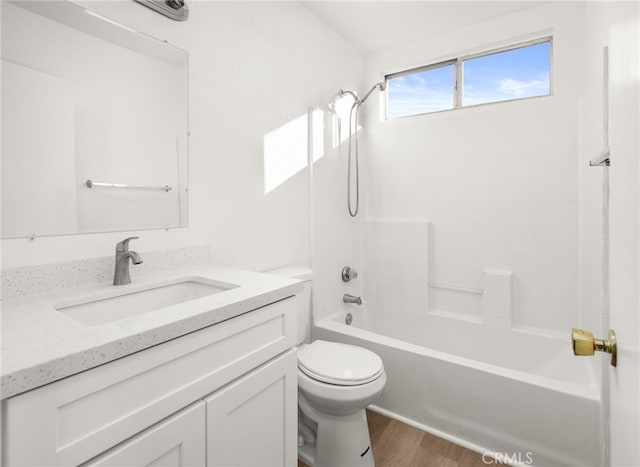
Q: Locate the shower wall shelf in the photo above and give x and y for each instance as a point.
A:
(601, 159)
(457, 288)
(92, 184)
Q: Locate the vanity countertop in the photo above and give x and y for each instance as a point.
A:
(41, 345)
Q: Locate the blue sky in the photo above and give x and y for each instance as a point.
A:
(423, 92)
(513, 74)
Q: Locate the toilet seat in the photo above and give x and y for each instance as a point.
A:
(339, 364)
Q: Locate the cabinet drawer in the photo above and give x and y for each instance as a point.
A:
(77, 418)
(178, 441)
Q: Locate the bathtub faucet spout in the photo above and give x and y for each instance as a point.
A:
(347, 298)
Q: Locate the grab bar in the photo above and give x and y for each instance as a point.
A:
(91, 184)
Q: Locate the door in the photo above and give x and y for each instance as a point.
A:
(178, 441)
(624, 134)
(254, 420)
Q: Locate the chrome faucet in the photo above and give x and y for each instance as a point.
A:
(123, 255)
(347, 298)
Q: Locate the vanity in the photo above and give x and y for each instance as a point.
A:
(208, 379)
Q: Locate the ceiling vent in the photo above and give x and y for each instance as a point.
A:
(174, 9)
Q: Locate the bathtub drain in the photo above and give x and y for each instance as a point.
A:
(348, 319)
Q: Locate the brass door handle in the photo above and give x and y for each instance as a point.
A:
(585, 344)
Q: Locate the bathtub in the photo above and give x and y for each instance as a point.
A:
(519, 396)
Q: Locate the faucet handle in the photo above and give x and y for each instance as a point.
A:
(348, 273)
(124, 244)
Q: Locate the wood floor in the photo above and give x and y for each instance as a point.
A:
(398, 445)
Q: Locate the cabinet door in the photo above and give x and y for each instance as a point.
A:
(179, 441)
(253, 421)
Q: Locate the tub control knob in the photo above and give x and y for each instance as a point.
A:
(348, 274)
(585, 344)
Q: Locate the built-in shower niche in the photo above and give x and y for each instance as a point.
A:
(401, 275)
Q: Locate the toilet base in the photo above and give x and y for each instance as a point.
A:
(307, 453)
(341, 440)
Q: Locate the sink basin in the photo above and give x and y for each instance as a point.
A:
(115, 306)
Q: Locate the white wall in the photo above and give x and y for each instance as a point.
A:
(395, 277)
(499, 182)
(253, 68)
(38, 176)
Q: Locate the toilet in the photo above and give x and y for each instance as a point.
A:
(336, 382)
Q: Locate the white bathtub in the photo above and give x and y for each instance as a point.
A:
(516, 394)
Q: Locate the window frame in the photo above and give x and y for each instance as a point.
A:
(458, 83)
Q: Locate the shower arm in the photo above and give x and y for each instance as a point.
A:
(381, 86)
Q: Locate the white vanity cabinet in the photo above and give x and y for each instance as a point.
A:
(223, 395)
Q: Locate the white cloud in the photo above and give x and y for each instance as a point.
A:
(418, 97)
(516, 88)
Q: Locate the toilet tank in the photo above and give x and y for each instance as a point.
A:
(304, 298)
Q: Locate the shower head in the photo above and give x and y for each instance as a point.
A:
(351, 93)
(337, 103)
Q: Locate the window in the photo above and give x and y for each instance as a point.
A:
(421, 91)
(516, 72)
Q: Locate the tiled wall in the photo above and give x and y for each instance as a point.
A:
(499, 182)
(396, 268)
(499, 196)
(395, 263)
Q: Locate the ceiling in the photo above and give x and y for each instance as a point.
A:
(372, 26)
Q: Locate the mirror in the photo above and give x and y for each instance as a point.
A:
(94, 124)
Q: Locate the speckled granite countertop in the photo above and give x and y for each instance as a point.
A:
(41, 345)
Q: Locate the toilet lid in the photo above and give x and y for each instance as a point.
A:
(340, 364)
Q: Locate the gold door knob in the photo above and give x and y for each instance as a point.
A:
(585, 344)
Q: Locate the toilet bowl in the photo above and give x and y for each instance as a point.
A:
(336, 382)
